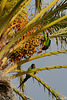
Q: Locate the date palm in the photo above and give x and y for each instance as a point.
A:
(21, 37)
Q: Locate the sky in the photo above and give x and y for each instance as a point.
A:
(56, 78)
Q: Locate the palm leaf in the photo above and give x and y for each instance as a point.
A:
(13, 44)
(3, 5)
(35, 57)
(8, 18)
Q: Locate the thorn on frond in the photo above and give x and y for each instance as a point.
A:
(39, 83)
(49, 94)
(44, 88)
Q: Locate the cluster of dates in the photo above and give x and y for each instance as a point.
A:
(29, 48)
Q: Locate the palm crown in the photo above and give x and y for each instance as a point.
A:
(21, 37)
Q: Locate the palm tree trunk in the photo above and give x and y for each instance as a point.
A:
(6, 91)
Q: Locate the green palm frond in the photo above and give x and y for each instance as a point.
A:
(60, 32)
(21, 37)
(56, 94)
(38, 5)
(20, 94)
(7, 18)
(34, 57)
(22, 8)
(37, 69)
(18, 36)
(26, 29)
(3, 5)
(21, 79)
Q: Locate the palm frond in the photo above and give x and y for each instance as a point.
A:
(56, 94)
(8, 18)
(35, 57)
(26, 3)
(18, 36)
(20, 94)
(21, 37)
(38, 5)
(37, 69)
(3, 3)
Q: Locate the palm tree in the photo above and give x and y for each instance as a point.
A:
(21, 37)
